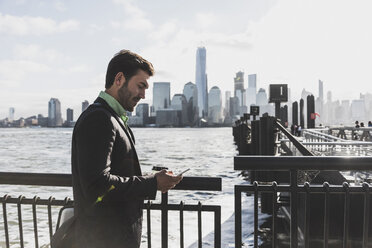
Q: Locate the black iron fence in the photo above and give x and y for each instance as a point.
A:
(335, 214)
(65, 180)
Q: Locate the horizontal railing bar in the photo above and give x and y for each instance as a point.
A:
(153, 206)
(177, 207)
(351, 128)
(65, 180)
(300, 188)
(345, 143)
(41, 202)
(302, 163)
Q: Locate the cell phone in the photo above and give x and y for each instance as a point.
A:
(180, 174)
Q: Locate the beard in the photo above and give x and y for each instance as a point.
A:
(126, 98)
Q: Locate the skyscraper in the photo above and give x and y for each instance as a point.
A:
(321, 90)
(215, 105)
(70, 115)
(191, 93)
(161, 96)
(239, 82)
(54, 113)
(251, 90)
(84, 105)
(11, 114)
(201, 81)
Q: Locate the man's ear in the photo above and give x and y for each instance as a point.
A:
(119, 79)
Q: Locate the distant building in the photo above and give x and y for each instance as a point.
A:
(251, 90)
(262, 97)
(70, 115)
(227, 103)
(201, 81)
(358, 110)
(142, 112)
(11, 114)
(84, 105)
(69, 118)
(42, 121)
(167, 118)
(191, 93)
(239, 82)
(234, 108)
(161, 96)
(179, 103)
(54, 113)
(215, 106)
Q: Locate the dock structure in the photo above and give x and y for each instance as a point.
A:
(290, 175)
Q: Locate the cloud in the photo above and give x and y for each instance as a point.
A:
(12, 72)
(28, 25)
(135, 18)
(205, 20)
(38, 53)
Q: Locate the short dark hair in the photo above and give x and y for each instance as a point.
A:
(128, 63)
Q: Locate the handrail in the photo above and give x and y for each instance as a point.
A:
(316, 133)
(351, 128)
(65, 180)
(304, 151)
(280, 163)
(343, 143)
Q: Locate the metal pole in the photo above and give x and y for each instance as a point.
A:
(164, 220)
(294, 195)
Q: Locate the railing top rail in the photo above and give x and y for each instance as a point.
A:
(302, 163)
(65, 180)
(343, 143)
(352, 128)
(317, 133)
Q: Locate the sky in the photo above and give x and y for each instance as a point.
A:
(60, 49)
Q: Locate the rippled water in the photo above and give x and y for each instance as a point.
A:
(207, 151)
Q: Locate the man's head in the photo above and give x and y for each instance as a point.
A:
(126, 78)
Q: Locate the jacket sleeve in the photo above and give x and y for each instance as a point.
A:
(94, 140)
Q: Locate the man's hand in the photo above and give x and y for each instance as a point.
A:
(166, 180)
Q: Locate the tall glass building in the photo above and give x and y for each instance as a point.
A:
(215, 105)
(54, 113)
(161, 96)
(251, 90)
(201, 81)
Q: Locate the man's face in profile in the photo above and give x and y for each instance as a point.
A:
(134, 90)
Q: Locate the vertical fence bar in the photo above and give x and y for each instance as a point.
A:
(294, 195)
(255, 184)
(346, 214)
(35, 221)
(366, 215)
(200, 237)
(164, 220)
(181, 225)
(148, 224)
(20, 223)
(50, 200)
(275, 185)
(6, 221)
(326, 213)
(307, 214)
(238, 216)
(217, 228)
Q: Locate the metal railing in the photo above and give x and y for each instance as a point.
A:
(65, 180)
(302, 199)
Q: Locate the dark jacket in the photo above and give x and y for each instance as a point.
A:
(103, 156)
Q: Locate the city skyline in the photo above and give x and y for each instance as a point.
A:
(49, 49)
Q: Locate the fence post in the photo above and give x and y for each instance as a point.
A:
(164, 220)
(294, 195)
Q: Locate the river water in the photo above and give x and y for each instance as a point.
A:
(206, 151)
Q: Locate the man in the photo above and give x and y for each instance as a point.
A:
(108, 185)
